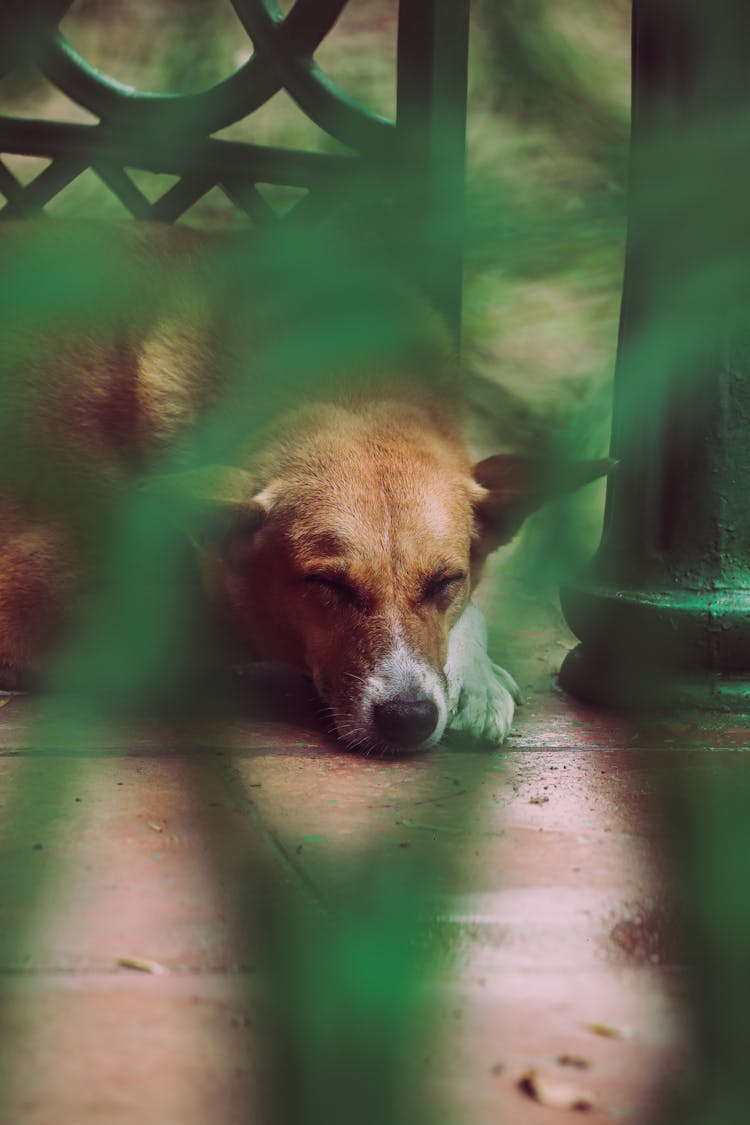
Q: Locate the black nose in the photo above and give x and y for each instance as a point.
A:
(405, 722)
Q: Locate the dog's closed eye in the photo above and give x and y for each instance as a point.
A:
(333, 588)
(440, 589)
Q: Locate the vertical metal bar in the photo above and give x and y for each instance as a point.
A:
(433, 40)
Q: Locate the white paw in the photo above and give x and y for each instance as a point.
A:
(485, 706)
(481, 695)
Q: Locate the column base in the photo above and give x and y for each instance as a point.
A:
(659, 648)
(597, 677)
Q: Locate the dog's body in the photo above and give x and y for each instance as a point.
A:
(350, 539)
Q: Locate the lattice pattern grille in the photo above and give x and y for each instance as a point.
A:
(173, 133)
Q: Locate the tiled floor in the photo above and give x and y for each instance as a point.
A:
(130, 991)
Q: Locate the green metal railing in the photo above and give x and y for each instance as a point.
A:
(413, 164)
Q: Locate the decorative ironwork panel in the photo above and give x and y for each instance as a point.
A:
(414, 161)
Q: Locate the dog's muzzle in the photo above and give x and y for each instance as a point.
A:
(399, 707)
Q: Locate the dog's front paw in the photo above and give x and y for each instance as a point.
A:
(481, 696)
(485, 706)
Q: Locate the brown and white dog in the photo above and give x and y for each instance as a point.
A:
(350, 537)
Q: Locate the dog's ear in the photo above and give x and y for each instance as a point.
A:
(216, 505)
(512, 487)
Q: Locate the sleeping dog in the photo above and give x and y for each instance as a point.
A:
(347, 534)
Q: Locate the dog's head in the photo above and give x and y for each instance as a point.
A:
(359, 553)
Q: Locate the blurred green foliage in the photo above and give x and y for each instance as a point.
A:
(544, 249)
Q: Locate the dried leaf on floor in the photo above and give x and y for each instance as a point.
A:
(141, 965)
(607, 1031)
(557, 1093)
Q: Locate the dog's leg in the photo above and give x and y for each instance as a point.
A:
(481, 695)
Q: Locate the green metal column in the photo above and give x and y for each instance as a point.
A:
(664, 612)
